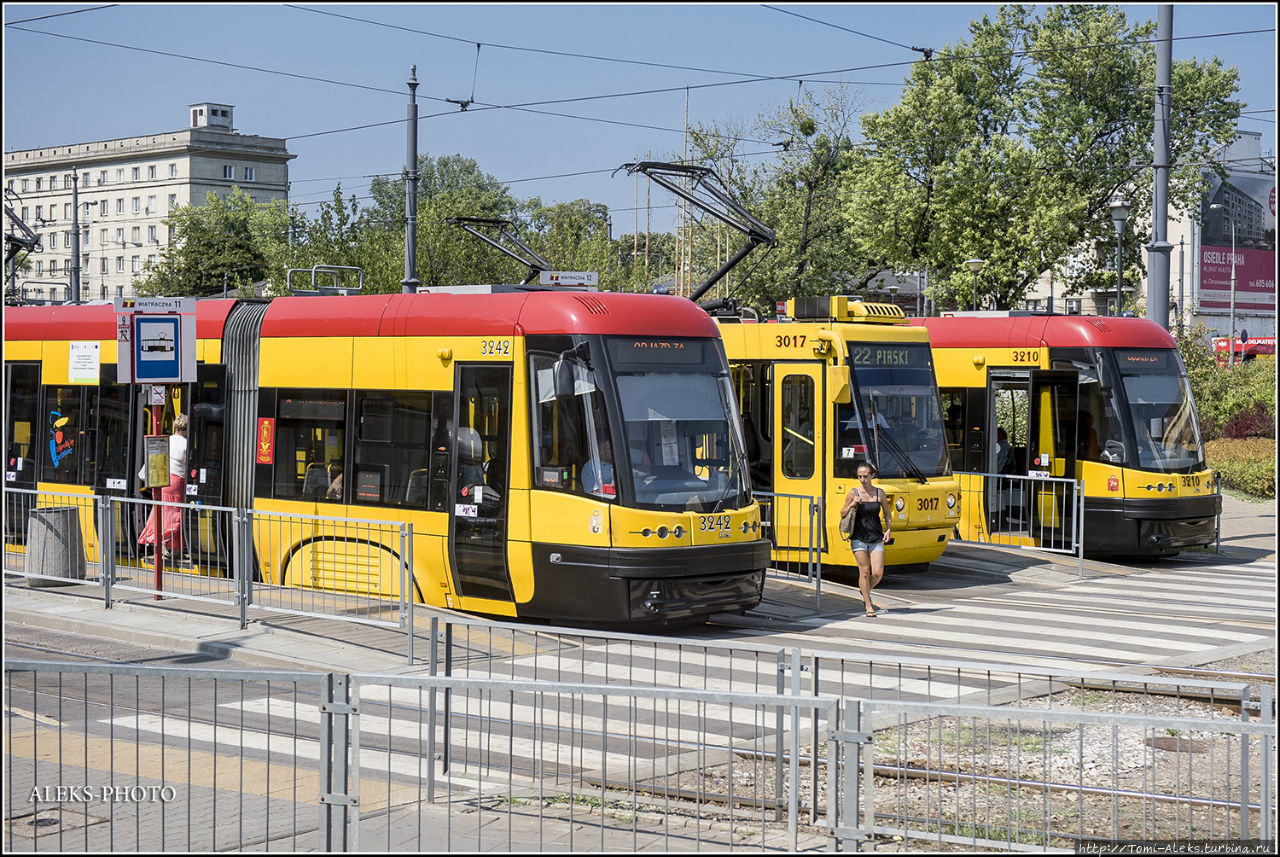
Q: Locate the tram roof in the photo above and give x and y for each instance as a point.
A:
(1044, 331)
(536, 312)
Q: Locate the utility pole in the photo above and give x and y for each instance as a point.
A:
(410, 283)
(1159, 249)
(74, 297)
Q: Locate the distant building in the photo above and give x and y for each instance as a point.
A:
(126, 189)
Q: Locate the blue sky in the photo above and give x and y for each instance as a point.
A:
(133, 69)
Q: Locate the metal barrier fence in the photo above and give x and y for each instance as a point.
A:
(1025, 779)
(52, 537)
(118, 757)
(1036, 512)
(112, 757)
(793, 523)
(307, 565)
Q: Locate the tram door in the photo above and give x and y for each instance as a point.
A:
(1036, 410)
(799, 411)
(481, 452)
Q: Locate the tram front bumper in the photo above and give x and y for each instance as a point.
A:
(1149, 527)
(645, 585)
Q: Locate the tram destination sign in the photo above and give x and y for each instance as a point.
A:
(887, 354)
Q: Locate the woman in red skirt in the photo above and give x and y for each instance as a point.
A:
(171, 529)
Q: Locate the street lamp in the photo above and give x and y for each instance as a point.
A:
(1119, 214)
(975, 265)
(1231, 320)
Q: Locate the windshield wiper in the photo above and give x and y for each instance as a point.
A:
(894, 446)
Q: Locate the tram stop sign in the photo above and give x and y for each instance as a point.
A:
(156, 341)
(1244, 336)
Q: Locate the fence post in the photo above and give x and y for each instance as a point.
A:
(335, 747)
(1266, 826)
(432, 660)
(867, 768)
(777, 738)
(1244, 766)
(1080, 525)
(406, 583)
(107, 547)
(242, 562)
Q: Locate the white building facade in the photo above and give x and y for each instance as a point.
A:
(126, 188)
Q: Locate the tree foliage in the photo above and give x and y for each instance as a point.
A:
(226, 243)
(1009, 146)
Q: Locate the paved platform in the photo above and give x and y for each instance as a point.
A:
(279, 641)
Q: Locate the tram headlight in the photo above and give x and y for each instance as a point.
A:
(900, 504)
(678, 532)
(663, 532)
(951, 501)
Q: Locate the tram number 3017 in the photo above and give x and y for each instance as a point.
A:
(715, 523)
(927, 504)
(789, 341)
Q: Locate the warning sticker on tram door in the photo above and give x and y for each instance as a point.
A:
(466, 510)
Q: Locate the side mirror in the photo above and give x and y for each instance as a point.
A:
(1113, 452)
(562, 379)
(838, 384)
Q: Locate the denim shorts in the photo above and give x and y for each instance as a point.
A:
(870, 547)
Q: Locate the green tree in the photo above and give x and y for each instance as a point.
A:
(224, 244)
(1009, 146)
(448, 186)
(572, 236)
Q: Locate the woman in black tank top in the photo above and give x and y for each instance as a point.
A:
(867, 539)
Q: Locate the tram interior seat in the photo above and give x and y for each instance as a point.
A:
(316, 482)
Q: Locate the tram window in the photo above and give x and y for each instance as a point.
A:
(20, 441)
(310, 443)
(797, 427)
(64, 427)
(111, 422)
(571, 433)
(392, 450)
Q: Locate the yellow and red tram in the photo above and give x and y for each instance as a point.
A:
(572, 457)
(1105, 401)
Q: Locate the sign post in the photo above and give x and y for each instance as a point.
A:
(156, 345)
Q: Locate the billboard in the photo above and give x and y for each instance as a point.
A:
(1255, 279)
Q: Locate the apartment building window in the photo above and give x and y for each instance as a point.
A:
(120, 205)
(39, 212)
(120, 236)
(53, 241)
(119, 264)
(1074, 306)
(26, 213)
(103, 266)
(24, 185)
(9, 184)
(228, 172)
(173, 202)
(151, 260)
(39, 269)
(1035, 305)
(173, 171)
(171, 234)
(53, 182)
(151, 235)
(102, 238)
(249, 174)
(151, 205)
(137, 264)
(137, 204)
(135, 235)
(39, 184)
(66, 211)
(102, 177)
(66, 237)
(120, 175)
(135, 173)
(151, 173)
(106, 207)
(53, 267)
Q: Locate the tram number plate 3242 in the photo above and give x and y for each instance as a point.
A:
(722, 524)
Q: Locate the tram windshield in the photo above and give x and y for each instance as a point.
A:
(683, 449)
(1166, 428)
(893, 418)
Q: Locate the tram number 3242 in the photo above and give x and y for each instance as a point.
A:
(715, 523)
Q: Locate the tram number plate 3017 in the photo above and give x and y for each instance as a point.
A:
(722, 524)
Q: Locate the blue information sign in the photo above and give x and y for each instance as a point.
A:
(157, 357)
